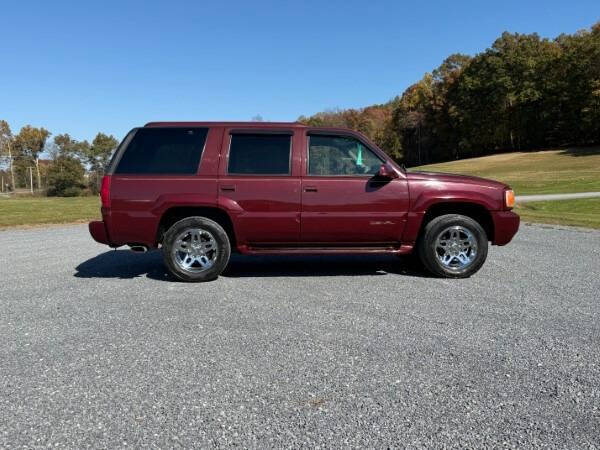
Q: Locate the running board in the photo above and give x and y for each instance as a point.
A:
(402, 250)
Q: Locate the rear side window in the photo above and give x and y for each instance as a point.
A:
(163, 151)
(259, 154)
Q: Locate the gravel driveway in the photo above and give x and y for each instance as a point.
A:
(99, 349)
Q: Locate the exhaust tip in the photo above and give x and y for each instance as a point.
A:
(138, 248)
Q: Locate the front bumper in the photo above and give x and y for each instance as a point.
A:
(506, 225)
(98, 232)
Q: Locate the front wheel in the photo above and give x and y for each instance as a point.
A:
(196, 249)
(453, 246)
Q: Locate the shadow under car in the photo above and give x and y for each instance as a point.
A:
(124, 264)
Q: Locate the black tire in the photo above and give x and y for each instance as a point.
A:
(196, 273)
(430, 253)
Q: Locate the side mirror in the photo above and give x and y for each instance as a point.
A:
(387, 171)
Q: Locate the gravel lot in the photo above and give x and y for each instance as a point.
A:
(98, 348)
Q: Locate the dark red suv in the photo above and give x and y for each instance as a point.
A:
(201, 189)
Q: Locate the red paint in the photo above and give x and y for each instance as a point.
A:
(295, 213)
(353, 209)
(98, 231)
(506, 225)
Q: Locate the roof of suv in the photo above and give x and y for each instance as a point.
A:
(267, 126)
(259, 125)
(228, 124)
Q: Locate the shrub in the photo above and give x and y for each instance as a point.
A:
(65, 177)
(72, 192)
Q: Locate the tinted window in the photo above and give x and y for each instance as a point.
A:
(109, 167)
(259, 154)
(340, 155)
(163, 151)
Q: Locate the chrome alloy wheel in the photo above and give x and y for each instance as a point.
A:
(195, 250)
(456, 248)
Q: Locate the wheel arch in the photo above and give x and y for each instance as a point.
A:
(177, 213)
(475, 211)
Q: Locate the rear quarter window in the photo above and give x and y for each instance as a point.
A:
(163, 151)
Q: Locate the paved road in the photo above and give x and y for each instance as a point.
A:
(543, 197)
(98, 349)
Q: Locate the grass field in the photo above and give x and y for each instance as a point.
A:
(46, 210)
(544, 172)
(583, 212)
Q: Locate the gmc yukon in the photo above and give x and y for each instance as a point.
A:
(202, 189)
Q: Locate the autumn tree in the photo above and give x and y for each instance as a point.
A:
(524, 92)
(65, 145)
(30, 143)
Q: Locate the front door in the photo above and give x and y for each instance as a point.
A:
(342, 200)
(257, 179)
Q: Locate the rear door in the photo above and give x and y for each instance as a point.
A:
(260, 179)
(342, 200)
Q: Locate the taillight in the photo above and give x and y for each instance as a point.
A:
(509, 198)
(105, 191)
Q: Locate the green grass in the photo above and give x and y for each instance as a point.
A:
(47, 210)
(583, 212)
(544, 172)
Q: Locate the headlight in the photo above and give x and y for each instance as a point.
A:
(509, 198)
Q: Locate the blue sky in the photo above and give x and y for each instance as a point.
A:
(83, 67)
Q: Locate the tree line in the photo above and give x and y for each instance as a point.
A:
(523, 93)
(73, 167)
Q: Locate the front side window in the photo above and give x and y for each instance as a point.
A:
(259, 154)
(163, 151)
(340, 155)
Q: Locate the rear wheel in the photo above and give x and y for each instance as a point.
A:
(453, 246)
(196, 249)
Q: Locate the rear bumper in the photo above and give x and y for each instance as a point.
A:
(98, 232)
(506, 225)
